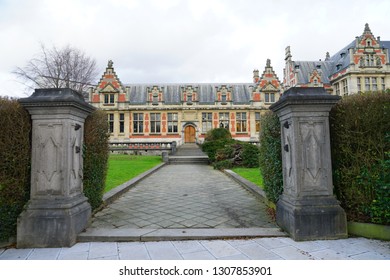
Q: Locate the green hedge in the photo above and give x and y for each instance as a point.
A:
(96, 152)
(15, 160)
(360, 139)
(271, 156)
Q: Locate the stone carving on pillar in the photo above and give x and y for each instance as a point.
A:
(57, 210)
(307, 209)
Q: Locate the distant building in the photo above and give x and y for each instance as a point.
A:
(361, 66)
(184, 112)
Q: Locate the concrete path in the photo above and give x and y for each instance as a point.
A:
(281, 248)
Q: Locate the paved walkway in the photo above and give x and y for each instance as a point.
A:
(185, 196)
(254, 249)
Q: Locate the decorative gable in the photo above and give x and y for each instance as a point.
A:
(368, 52)
(269, 87)
(189, 94)
(224, 94)
(109, 88)
(109, 84)
(155, 95)
(267, 83)
(315, 79)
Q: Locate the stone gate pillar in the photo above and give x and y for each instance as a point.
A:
(307, 209)
(57, 210)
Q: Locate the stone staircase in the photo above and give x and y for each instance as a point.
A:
(189, 154)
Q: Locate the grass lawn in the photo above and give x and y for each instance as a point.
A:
(251, 174)
(122, 168)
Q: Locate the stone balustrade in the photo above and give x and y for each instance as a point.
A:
(146, 146)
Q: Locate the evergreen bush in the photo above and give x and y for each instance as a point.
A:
(271, 156)
(250, 155)
(216, 139)
(15, 161)
(96, 152)
(218, 134)
(360, 142)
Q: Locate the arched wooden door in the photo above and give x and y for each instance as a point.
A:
(189, 134)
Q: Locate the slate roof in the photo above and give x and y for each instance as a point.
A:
(306, 69)
(334, 64)
(341, 58)
(241, 93)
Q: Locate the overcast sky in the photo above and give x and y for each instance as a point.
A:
(180, 41)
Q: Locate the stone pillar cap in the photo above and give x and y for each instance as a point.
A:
(309, 95)
(54, 97)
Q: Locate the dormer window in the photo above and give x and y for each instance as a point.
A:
(342, 54)
(338, 66)
(155, 99)
(368, 43)
(109, 98)
(223, 97)
(296, 67)
(189, 98)
(318, 66)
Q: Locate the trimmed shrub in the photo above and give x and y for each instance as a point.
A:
(250, 155)
(218, 134)
(223, 164)
(216, 139)
(271, 156)
(360, 140)
(15, 161)
(96, 152)
(225, 152)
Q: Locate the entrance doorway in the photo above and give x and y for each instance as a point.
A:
(189, 134)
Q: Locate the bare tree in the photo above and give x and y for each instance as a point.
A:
(59, 68)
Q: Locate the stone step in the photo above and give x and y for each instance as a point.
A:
(188, 160)
(128, 234)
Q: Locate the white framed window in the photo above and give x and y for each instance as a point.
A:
(337, 87)
(121, 123)
(109, 98)
(138, 123)
(241, 122)
(367, 83)
(359, 85)
(172, 122)
(224, 120)
(345, 87)
(155, 122)
(207, 122)
(110, 123)
(257, 121)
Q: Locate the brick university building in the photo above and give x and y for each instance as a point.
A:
(185, 112)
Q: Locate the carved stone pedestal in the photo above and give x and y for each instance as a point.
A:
(58, 210)
(307, 209)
